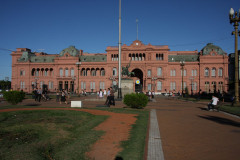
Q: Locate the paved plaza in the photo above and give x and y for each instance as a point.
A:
(180, 130)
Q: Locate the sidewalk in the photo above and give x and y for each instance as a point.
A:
(190, 132)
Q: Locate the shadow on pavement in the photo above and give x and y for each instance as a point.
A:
(32, 104)
(203, 108)
(220, 120)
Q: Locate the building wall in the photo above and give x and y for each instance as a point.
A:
(141, 59)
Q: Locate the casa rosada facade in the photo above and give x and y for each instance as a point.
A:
(156, 67)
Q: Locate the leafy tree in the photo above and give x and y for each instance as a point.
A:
(5, 85)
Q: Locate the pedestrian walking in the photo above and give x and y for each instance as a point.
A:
(105, 93)
(111, 98)
(108, 96)
(63, 97)
(58, 95)
(39, 92)
(100, 93)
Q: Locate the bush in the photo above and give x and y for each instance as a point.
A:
(13, 97)
(135, 100)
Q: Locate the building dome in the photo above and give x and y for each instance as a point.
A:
(71, 50)
(210, 47)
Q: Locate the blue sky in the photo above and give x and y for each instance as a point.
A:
(92, 25)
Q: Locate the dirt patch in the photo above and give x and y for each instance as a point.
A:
(116, 127)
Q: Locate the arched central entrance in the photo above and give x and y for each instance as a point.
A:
(139, 74)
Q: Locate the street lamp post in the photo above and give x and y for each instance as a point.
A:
(73, 78)
(113, 79)
(78, 65)
(235, 18)
(154, 78)
(182, 63)
(36, 79)
(119, 55)
(191, 79)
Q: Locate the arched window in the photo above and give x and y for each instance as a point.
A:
(206, 72)
(213, 72)
(84, 72)
(93, 71)
(102, 72)
(220, 72)
(114, 71)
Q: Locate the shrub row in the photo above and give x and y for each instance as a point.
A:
(14, 97)
(135, 100)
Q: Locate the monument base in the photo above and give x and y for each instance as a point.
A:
(127, 86)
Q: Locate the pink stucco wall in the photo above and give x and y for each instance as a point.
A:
(22, 77)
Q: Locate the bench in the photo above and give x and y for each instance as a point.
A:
(76, 104)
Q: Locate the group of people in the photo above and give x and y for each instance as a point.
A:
(150, 94)
(62, 96)
(108, 94)
(40, 94)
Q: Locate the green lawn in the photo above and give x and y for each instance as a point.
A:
(38, 135)
(230, 109)
(51, 134)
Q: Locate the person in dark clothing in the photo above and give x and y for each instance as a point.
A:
(111, 97)
(35, 94)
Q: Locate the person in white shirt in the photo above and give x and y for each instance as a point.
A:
(105, 93)
(213, 103)
(100, 94)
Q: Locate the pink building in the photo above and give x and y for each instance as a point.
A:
(155, 66)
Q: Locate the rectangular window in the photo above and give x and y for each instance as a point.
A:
(172, 86)
(194, 72)
(149, 86)
(92, 85)
(102, 85)
(61, 72)
(184, 85)
(194, 86)
(159, 71)
(45, 73)
(220, 72)
(83, 85)
(22, 85)
(72, 72)
(149, 73)
(159, 85)
(66, 72)
(50, 85)
(173, 72)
